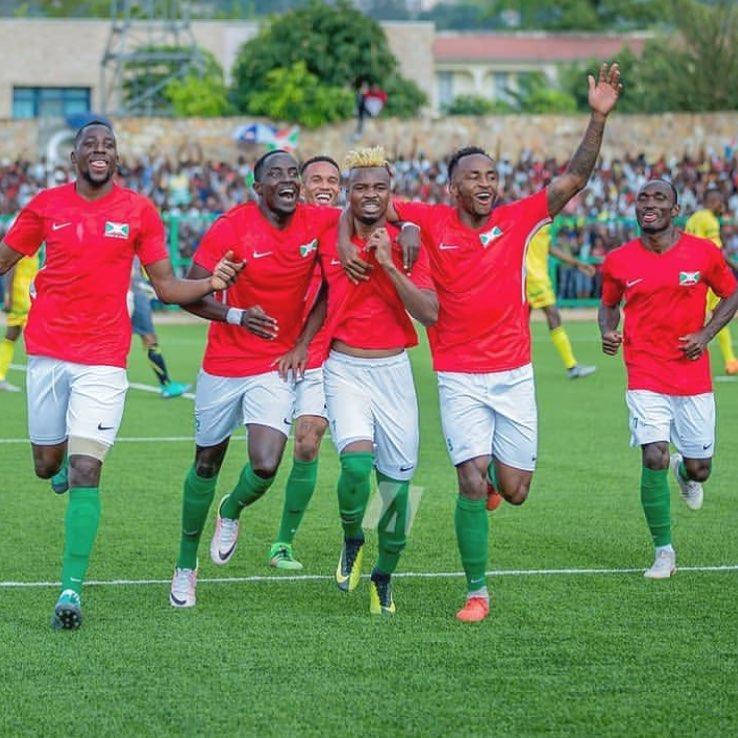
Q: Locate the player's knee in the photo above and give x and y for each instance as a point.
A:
(45, 468)
(306, 446)
(517, 493)
(656, 456)
(84, 471)
(207, 468)
(265, 467)
(698, 469)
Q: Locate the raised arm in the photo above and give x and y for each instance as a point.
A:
(8, 258)
(603, 94)
(421, 304)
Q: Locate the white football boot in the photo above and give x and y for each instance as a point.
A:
(664, 565)
(690, 491)
(182, 591)
(225, 538)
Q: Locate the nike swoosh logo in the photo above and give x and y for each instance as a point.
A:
(261, 255)
(175, 600)
(407, 468)
(102, 427)
(224, 556)
(335, 262)
(704, 448)
(633, 282)
(447, 246)
(340, 578)
(58, 226)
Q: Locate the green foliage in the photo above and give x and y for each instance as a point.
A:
(208, 85)
(469, 105)
(337, 45)
(198, 96)
(696, 70)
(297, 96)
(535, 95)
(404, 97)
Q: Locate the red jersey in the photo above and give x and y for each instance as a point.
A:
(370, 315)
(79, 312)
(320, 345)
(665, 298)
(483, 322)
(279, 267)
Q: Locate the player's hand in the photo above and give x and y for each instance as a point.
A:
(293, 361)
(255, 320)
(605, 91)
(380, 242)
(693, 345)
(225, 272)
(409, 240)
(611, 342)
(357, 270)
(588, 269)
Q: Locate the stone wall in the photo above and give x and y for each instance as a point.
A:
(507, 135)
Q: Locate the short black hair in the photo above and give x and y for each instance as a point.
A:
(458, 155)
(710, 190)
(315, 160)
(261, 161)
(94, 122)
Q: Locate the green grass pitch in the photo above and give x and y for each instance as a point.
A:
(561, 654)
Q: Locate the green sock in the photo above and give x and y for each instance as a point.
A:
(683, 471)
(196, 501)
(62, 476)
(80, 528)
(297, 494)
(249, 488)
(492, 475)
(656, 504)
(472, 532)
(353, 490)
(392, 528)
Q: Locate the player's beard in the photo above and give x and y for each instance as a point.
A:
(97, 183)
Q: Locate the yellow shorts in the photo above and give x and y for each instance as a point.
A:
(712, 300)
(20, 303)
(540, 293)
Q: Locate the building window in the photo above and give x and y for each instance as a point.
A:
(50, 102)
(445, 88)
(501, 82)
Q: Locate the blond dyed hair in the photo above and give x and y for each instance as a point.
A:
(366, 158)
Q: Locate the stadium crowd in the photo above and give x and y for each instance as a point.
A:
(191, 190)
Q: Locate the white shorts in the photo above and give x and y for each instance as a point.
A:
(224, 403)
(490, 414)
(374, 400)
(310, 395)
(687, 421)
(66, 399)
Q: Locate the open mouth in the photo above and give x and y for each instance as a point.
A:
(649, 216)
(483, 198)
(288, 194)
(99, 166)
(324, 198)
(370, 207)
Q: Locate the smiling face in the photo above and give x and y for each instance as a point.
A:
(279, 184)
(474, 184)
(369, 193)
(95, 155)
(655, 207)
(321, 183)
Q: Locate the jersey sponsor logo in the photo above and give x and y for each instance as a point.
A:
(488, 236)
(307, 248)
(261, 254)
(687, 279)
(116, 230)
(59, 226)
(447, 246)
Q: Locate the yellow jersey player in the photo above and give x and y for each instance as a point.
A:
(705, 223)
(17, 304)
(541, 296)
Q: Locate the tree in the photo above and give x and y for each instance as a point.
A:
(693, 70)
(295, 95)
(198, 96)
(469, 105)
(336, 43)
(536, 95)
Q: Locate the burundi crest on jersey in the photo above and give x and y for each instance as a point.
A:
(488, 236)
(688, 278)
(116, 230)
(307, 248)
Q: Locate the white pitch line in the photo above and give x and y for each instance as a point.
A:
(404, 575)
